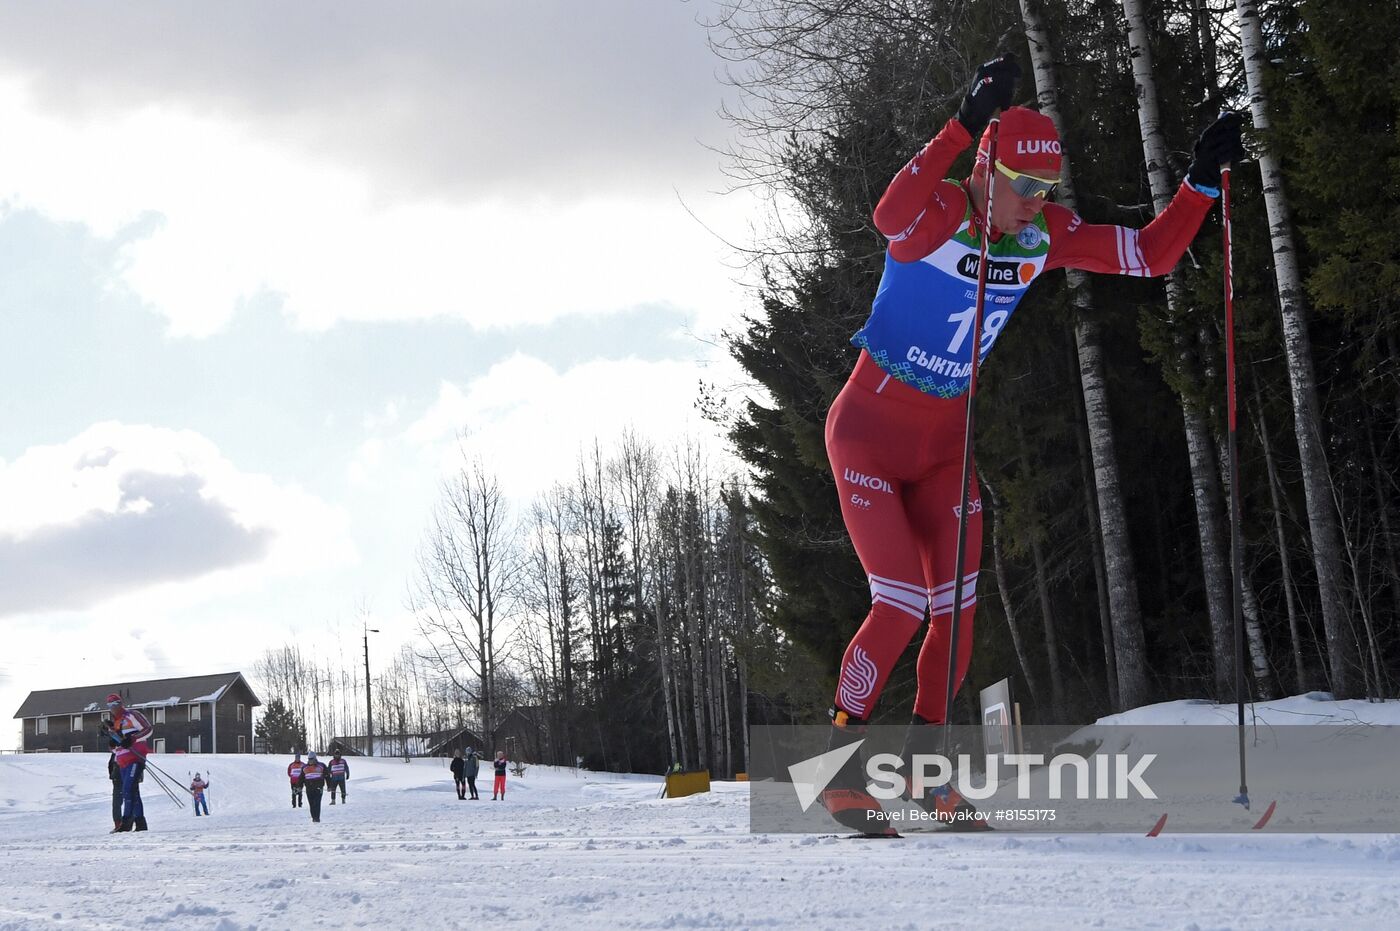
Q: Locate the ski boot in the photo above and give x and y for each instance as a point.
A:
(846, 797)
(950, 810)
(122, 826)
(140, 824)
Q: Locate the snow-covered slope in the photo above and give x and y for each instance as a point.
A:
(1310, 708)
(586, 850)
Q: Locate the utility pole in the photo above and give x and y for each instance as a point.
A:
(369, 704)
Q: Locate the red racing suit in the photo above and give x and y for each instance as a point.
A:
(894, 434)
(133, 724)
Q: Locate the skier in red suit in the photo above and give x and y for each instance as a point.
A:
(128, 733)
(895, 433)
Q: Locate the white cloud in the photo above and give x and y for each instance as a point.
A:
(435, 96)
(127, 511)
(528, 422)
(241, 214)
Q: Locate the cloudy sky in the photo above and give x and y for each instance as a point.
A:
(261, 263)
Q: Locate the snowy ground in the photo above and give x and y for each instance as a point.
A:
(585, 850)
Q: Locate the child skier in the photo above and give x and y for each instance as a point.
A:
(197, 787)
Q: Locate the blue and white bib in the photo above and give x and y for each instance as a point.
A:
(920, 325)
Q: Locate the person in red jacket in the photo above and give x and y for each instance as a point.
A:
(895, 433)
(336, 774)
(498, 788)
(128, 734)
(313, 779)
(294, 774)
(197, 787)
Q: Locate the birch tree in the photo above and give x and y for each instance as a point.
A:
(1323, 522)
(1125, 650)
(1200, 445)
(467, 583)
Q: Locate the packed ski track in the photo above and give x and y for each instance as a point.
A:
(589, 850)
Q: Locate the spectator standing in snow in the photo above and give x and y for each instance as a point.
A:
(294, 774)
(197, 787)
(459, 774)
(336, 774)
(114, 773)
(498, 788)
(313, 779)
(473, 766)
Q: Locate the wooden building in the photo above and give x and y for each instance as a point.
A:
(437, 743)
(523, 734)
(192, 714)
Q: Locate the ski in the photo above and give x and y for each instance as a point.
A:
(1257, 826)
(861, 835)
(944, 827)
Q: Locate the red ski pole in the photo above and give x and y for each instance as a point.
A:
(961, 553)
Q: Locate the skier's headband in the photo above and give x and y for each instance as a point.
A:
(1028, 185)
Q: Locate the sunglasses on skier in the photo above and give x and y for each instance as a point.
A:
(1026, 185)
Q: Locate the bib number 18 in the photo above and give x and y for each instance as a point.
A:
(991, 326)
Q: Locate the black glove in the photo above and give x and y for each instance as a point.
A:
(126, 741)
(993, 86)
(1220, 143)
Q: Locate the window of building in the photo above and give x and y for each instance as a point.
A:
(76, 749)
(158, 745)
(242, 742)
(77, 722)
(41, 725)
(159, 717)
(194, 712)
(240, 712)
(195, 744)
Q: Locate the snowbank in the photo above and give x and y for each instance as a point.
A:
(1309, 708)
(595, 851)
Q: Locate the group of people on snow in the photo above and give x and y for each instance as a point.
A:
(464, 770)
(310, 780)
(130, 732)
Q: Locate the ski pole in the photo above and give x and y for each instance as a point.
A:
(164, 787)
(150, 765)
(1236, 548)
(154, 770)
(961, 554)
